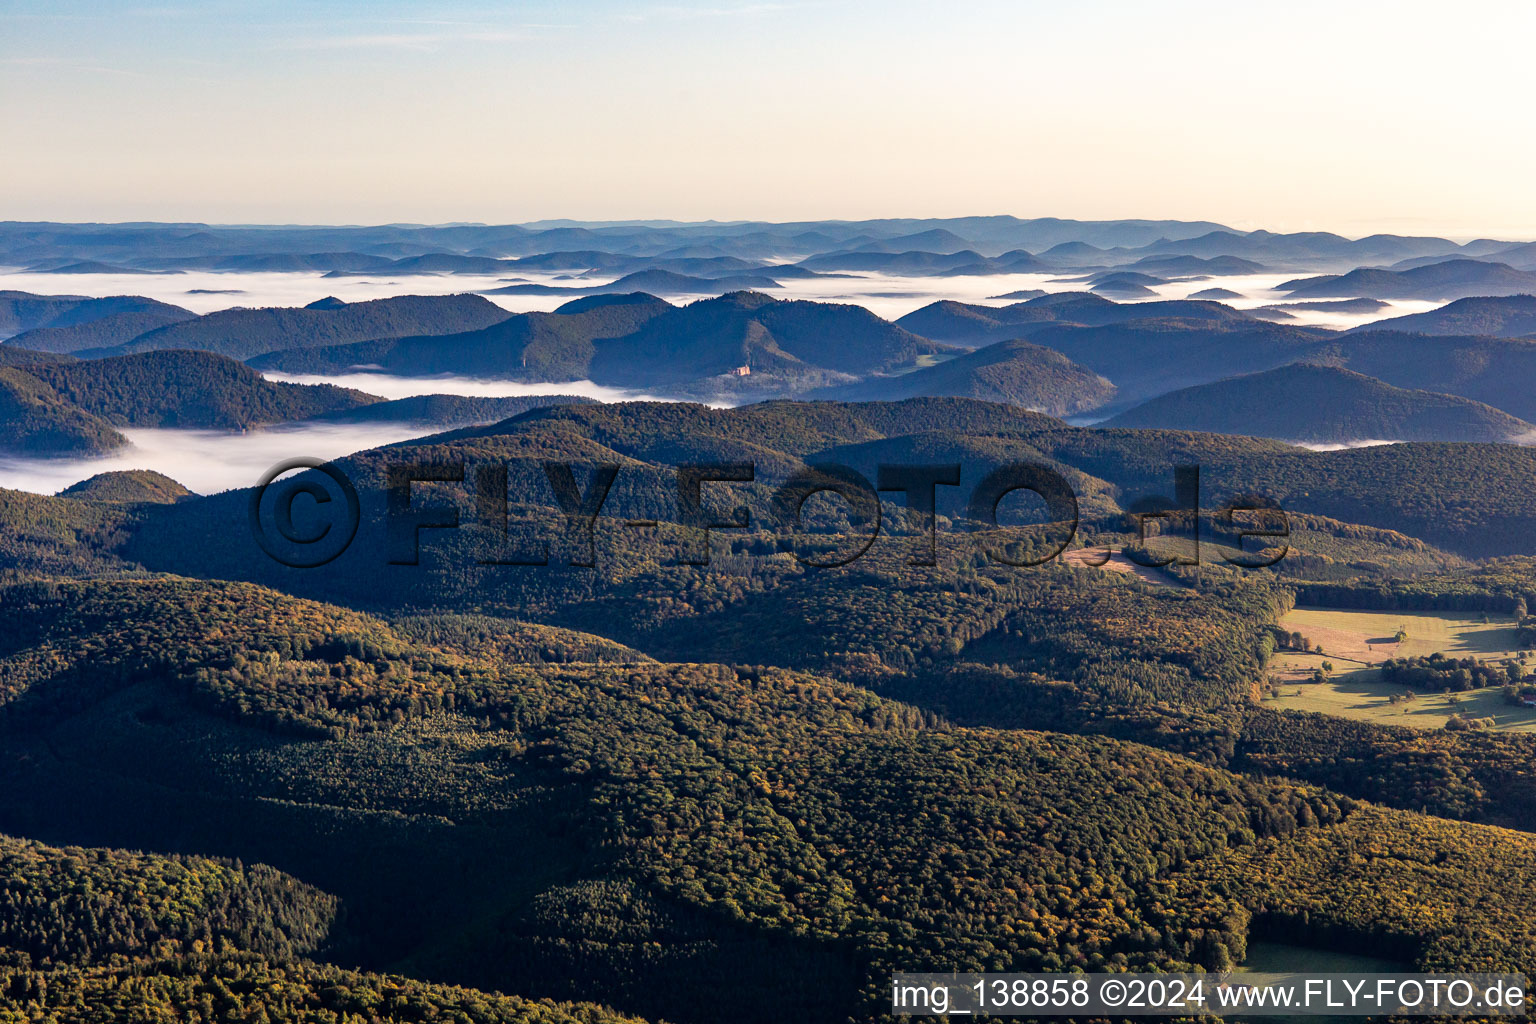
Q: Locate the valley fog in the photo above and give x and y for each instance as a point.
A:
(390, 386)
(210, 461)
(206, 461)
(887, 295)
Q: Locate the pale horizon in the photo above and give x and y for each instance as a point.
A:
(1357, 120)
(541, 222)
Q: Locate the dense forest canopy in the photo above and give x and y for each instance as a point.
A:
(674, 789)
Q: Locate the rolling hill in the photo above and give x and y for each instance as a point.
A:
(15, 355)
(177, 388)
(1124, 284)
(430, 263)
(919, 263)
(104, 332)
(1505, 316)
(1011, 372)
(23, 311)
(1334, 305)
(638, 340)
(132, 487)
(85, 267)
(752, 819)
(1188, 266)
(1323, 404)
(1304, 249)
(244, 333)
(1521, 256)
(36, 422)
(714, 336)
(654, 282)
(445, 410)
(1146, 358)
(1491, 370)
(554, 346)
(1451, 279)
(959, 323)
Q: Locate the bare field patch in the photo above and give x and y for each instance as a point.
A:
(1118, 562)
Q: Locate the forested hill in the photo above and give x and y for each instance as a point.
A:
(961, 323)
(544, 346)
(189, 390)
(1013, 372)
(1512, 316)
(128, 486)
(1146, 358)
(1465, 498)
(638, 340)
(744, 346)
(680, 789)
(1485, 369)
(102, 934)
(94, 906)
(243, 333)
(1450, 279)
(682, 840)
(751, 329)
(21, 312)
(15, 355)
(1302, 402)
(36, 421)
(103, 332)
(443, 411)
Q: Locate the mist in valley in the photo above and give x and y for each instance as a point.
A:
(887, 295)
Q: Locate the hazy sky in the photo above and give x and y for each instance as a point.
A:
(1342, 115)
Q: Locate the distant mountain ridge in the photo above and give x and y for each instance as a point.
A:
(1146, 358)
(243, 333)
(1451, 279)
(960, 323)
(652, 281)
(1011, 372)
(1322, 404)
(1505, 316)
(554, 346)
(627, 247)
(749, 329)
(919, 263)
(29, 243)
(1496, 371)
(640, 340)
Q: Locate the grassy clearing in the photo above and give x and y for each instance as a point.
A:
(1368, 636)
(1356, 641)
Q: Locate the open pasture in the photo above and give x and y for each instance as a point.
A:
(1355, 642)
